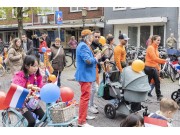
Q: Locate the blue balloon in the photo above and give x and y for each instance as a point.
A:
(43, 49)
(50, 93)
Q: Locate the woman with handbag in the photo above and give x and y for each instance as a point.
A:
(57, 59)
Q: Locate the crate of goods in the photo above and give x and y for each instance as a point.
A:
(61, 113)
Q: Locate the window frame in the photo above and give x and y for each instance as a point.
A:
(3, 16)
(119, 8)
(137, 7)
(77, 10)
(47, 13)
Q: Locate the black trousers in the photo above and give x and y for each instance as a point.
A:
(73, 51)
(29, 116)
(153, 74)
(58, 79)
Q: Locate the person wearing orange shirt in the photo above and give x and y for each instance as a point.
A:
(152, 62)
(120, 52)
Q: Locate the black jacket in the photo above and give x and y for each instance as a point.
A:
(95, 45)
(48, 42)
(30, 50)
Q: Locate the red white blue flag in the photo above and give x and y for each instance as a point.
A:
(16, 96)
(153, 122)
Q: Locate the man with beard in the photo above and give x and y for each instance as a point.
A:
(120, 52)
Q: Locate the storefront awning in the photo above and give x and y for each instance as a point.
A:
(100, 25)
(137, 20)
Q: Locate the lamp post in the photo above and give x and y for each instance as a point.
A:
(84, 14)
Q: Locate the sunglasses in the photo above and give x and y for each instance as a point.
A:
(97, 36)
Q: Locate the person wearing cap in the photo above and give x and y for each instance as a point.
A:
(120, 52)
(85, 73)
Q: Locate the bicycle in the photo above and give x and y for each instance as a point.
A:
(11, 117)
(168, 70)
(3, 70)
(69, 60)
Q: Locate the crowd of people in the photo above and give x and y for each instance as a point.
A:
(28, 62)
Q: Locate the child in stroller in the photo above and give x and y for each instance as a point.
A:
(125, 92)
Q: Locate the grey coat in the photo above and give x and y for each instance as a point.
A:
(15, 58)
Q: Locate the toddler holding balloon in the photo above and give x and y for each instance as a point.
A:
(29, 74)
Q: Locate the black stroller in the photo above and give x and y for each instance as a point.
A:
(125, 92)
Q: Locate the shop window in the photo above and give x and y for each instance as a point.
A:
(144, 35)
(159, 30)
(132, 34)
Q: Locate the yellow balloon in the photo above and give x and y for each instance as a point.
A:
(1, 60)
(102, 40)
(138, 65)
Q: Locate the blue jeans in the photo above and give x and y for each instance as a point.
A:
(152, 87)
(41, 57)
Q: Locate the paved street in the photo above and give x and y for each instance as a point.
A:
(167, 87)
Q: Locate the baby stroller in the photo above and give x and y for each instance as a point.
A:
(176, 96)
(125, 92)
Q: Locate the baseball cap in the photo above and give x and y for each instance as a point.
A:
(86, 32)
(123, 36)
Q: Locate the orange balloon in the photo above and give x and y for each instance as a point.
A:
(52, 78)
(2, 99)
(67, 94)
(138, 65)
(102, 40)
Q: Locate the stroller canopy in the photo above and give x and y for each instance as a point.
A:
(134, 81)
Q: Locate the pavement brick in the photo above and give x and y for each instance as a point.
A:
(167, 87)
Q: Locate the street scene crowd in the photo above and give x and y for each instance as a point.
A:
(104, 69)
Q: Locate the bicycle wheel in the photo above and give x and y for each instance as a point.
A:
(2, 70)
(69, 60)
(11, 119)
(172, 73)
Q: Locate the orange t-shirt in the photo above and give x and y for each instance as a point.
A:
(119, 56)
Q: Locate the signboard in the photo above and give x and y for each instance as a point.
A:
(59, 17)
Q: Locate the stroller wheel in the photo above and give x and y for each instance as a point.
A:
(176, 96)
(110, 111)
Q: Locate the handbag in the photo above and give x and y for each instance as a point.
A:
(55, 55)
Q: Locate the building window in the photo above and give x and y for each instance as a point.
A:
(46, 11)
(2, 14)
(92, 8)
(144, 35)
(14, 12)
(132, 34)
(119, 8)
(159, 30)
(137, 7)
(75, 9)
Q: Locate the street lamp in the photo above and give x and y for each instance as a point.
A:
(84, 14)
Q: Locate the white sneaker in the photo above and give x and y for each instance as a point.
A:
(95, 106)
(90, 117)
(85, 125)
(93, 110)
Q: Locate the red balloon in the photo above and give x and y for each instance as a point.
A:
(67, 94)
(2, 98)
